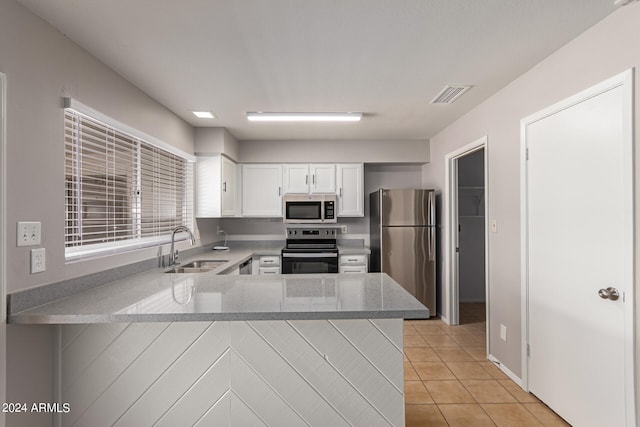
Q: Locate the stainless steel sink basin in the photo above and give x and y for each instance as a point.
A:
(205, 263)
(200, 266)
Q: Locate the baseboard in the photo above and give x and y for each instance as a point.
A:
(506, 370)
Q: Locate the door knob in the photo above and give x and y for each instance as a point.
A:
(609, 293)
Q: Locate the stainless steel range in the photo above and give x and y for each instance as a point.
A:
(310, 250)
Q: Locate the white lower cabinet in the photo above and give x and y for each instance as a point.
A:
(354, 264)
(268, 264)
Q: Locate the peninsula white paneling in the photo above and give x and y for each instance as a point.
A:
(307, 372)
(186, 370)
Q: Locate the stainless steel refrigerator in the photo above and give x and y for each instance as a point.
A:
(403, 240)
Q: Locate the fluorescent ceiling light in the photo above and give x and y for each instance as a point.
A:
(304, 117)
(203, 114)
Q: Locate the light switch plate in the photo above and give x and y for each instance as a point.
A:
(38, 260)
(28, 234)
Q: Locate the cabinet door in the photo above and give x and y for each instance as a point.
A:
(262, 190)
(350, 189)
(296, 178)
(323, 178)
(228, 187)
(208, 186)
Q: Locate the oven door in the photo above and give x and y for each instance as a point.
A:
(309, 262)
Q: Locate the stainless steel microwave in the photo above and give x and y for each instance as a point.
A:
(309, 208)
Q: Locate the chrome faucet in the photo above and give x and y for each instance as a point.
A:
(173, 254)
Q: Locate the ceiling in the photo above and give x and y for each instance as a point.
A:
(385, 58)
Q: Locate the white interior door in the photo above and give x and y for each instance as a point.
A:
(578, 240)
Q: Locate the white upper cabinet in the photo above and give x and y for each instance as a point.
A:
(309, 178)
(350, 183)
(215, 186)
(262, 190)
(229, 189)
(323, 178)
(296, 178)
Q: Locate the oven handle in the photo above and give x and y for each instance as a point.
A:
(314, 255)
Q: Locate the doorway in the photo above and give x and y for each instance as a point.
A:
(465, 245)
(578, 255)
(471, 238)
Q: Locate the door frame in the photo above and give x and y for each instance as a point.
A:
(624, 79)
(451, 276)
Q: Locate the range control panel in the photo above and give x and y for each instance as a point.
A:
(311, 233)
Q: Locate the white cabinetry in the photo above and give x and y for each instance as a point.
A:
(267, 265)
(353, 264)
(262, 190)
(309, 178)
(350, 184)
(215, 186)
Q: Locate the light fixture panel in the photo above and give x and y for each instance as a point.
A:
(203, 114)
(303, 117)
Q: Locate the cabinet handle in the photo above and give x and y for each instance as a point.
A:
(313, 178)
(279, 191)
(267, 261)
(352, 259)
(340, 191)
(306, 179)
(224, 186)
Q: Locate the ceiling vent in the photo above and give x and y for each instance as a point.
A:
(449, 94)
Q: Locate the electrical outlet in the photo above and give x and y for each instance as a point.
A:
(343, 229)
(28, 234)
(494, 226)
(38, 260)
(503, 332)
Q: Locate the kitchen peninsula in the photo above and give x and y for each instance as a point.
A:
(203, 349)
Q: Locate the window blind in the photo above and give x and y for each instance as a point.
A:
(120, 191)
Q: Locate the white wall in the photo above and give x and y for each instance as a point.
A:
(215, 140)
(606, 49)
(42, 66)
(359, 151)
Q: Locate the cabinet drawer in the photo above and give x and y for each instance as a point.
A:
(269, 270)
(353, 259)
(269, 261)
(353, 269)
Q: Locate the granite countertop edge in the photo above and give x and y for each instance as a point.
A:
(43, 319)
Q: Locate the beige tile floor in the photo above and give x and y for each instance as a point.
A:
(450, 382)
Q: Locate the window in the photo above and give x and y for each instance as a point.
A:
(121, 191)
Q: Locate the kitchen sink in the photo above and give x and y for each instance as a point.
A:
(206, 263)
(200, 266)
